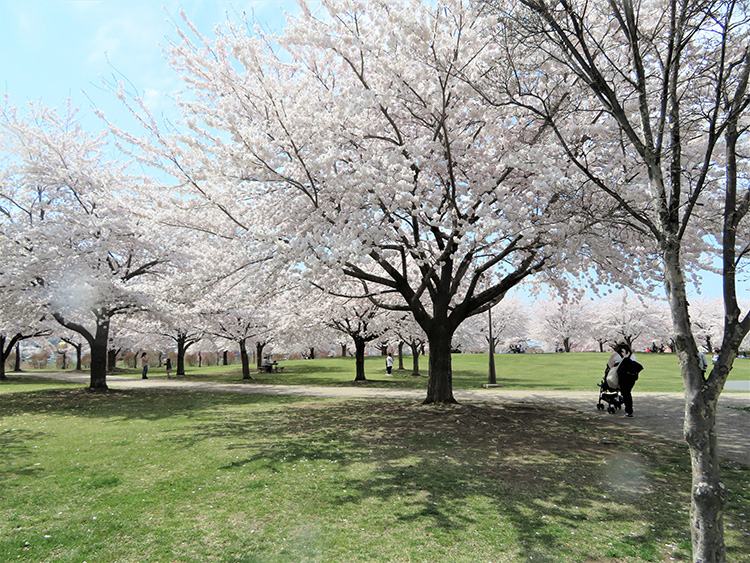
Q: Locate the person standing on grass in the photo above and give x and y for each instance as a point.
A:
(389, 364)
(144, 364)
(627, 373)
(169, 368)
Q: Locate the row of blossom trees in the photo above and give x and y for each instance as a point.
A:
(436, 156)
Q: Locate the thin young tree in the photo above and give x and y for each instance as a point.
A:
(649, 100)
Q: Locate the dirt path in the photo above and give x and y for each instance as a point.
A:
(660, 414)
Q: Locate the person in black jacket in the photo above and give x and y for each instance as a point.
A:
(627, 373)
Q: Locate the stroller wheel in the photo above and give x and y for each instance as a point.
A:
(600, 406)
(611, 410)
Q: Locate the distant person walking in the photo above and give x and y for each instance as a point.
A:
(389, 364)
(169, 368)
(144, 364)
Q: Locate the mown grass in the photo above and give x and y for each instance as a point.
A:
(171, 476)
(565, 372)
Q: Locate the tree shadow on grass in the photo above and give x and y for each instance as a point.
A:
(130, 404)
(543, 476)
(15, 448)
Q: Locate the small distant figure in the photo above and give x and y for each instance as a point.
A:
(144, 364)
(715, 358)
(703, 361)
(169, 368)
(389, 365)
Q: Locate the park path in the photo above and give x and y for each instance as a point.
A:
(659, 414)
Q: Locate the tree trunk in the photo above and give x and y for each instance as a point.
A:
(708, 491)
(245, 359)
(401, 355)
(2, 357)
(99, 355)
(112, 359)
(259, 353)
(181, 350)
(343, 350)
(225, 358)
(17, 367)
(708, 496)
(414, 358)
(440, 382)
(97, 343)
(79, 353)
(359, 361)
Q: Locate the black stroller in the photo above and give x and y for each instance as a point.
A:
(609, 395)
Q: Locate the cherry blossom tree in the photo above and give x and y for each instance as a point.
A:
(409, 331)
(562, 324)
(626, 317)
(243, 317)
(354, 143)
(84, 247)
(649, 101)
(707, 318)
(15, 333)
(78, 344)
(363, 322)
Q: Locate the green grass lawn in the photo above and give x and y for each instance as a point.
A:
(171, 476)
(568, 372)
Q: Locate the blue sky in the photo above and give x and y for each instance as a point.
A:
(52, 50)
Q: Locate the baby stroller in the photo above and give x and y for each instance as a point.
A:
(609, 392)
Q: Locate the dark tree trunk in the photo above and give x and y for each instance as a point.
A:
(112, 359)
(312, 353)
(414, 358)
(359, 358)
(245, 359)
(2, 357)
(79, 355)
(401, 355)
(98, 345)
(440, 383)
(99, 355)
(181, 351)
(17, 367)
(6, 348)
(343, 350)
(225, 358)
(259, 354)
